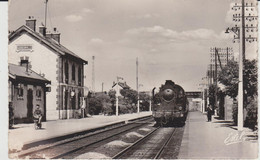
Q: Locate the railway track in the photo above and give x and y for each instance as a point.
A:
(69, 146)
(152, 146)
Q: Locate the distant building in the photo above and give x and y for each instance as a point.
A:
(122, 85)
(26, 90)
(55, 62)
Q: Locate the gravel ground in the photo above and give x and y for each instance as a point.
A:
(112, 146)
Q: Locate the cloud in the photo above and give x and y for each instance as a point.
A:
(87, 10)
(162, 35)
(96, 40)
(73, 18)
(146, 16)
(79, 15)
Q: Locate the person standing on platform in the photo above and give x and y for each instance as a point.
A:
(209, 112)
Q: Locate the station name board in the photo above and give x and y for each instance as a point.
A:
(24, 48)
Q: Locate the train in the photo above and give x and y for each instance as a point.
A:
(170, 104)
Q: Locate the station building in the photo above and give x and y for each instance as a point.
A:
(26, 90)
(47, 57)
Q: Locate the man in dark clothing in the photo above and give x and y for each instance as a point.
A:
(38, 113)
(209, 112)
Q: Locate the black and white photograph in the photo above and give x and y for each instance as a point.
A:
(132, 79)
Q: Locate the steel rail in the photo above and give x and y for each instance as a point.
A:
(164, 145)
(86, 136)
(134, 144)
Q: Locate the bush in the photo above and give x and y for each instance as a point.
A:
(234, 113)
(251, 118)
(123, 109)
(95, 106)
(251, 115)
(107, 109)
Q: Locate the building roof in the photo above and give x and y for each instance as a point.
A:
(45, 40)
(121, 84)
(16, 71)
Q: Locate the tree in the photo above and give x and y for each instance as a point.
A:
(229, 77)
(106, 103)
(144, 101)
(212, 89)
(130, 95)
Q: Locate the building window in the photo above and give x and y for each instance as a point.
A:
(73, 101)
(66, 99)
(20, 91)
(73, 72)
(79, 76)
(66, 72)
(38, 94)
(79, 95)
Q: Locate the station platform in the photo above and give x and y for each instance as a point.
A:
(23, 134)
(217, 139)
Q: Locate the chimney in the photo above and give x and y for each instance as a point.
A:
(54, 35)
(42, 30)
(48, 34)
(31, 22)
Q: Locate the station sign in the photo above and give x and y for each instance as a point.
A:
(24, 48)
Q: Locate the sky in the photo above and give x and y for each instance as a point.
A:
(171, 38)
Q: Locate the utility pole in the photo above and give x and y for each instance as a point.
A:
(137, 86)
(102, 87)
(93, 74)
(240, 118)
(211, 74)
(218, 60)
(216, 81)
(137, 73)
(45, 18)
(240, 33)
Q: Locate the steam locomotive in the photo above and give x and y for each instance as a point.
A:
(170, 105)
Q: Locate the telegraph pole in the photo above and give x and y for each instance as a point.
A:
(216, 81)
(137, 86)
(240, 33)
(240, 118)
(117, 94)
(93, 74)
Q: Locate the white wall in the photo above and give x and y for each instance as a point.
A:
(43, 60)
